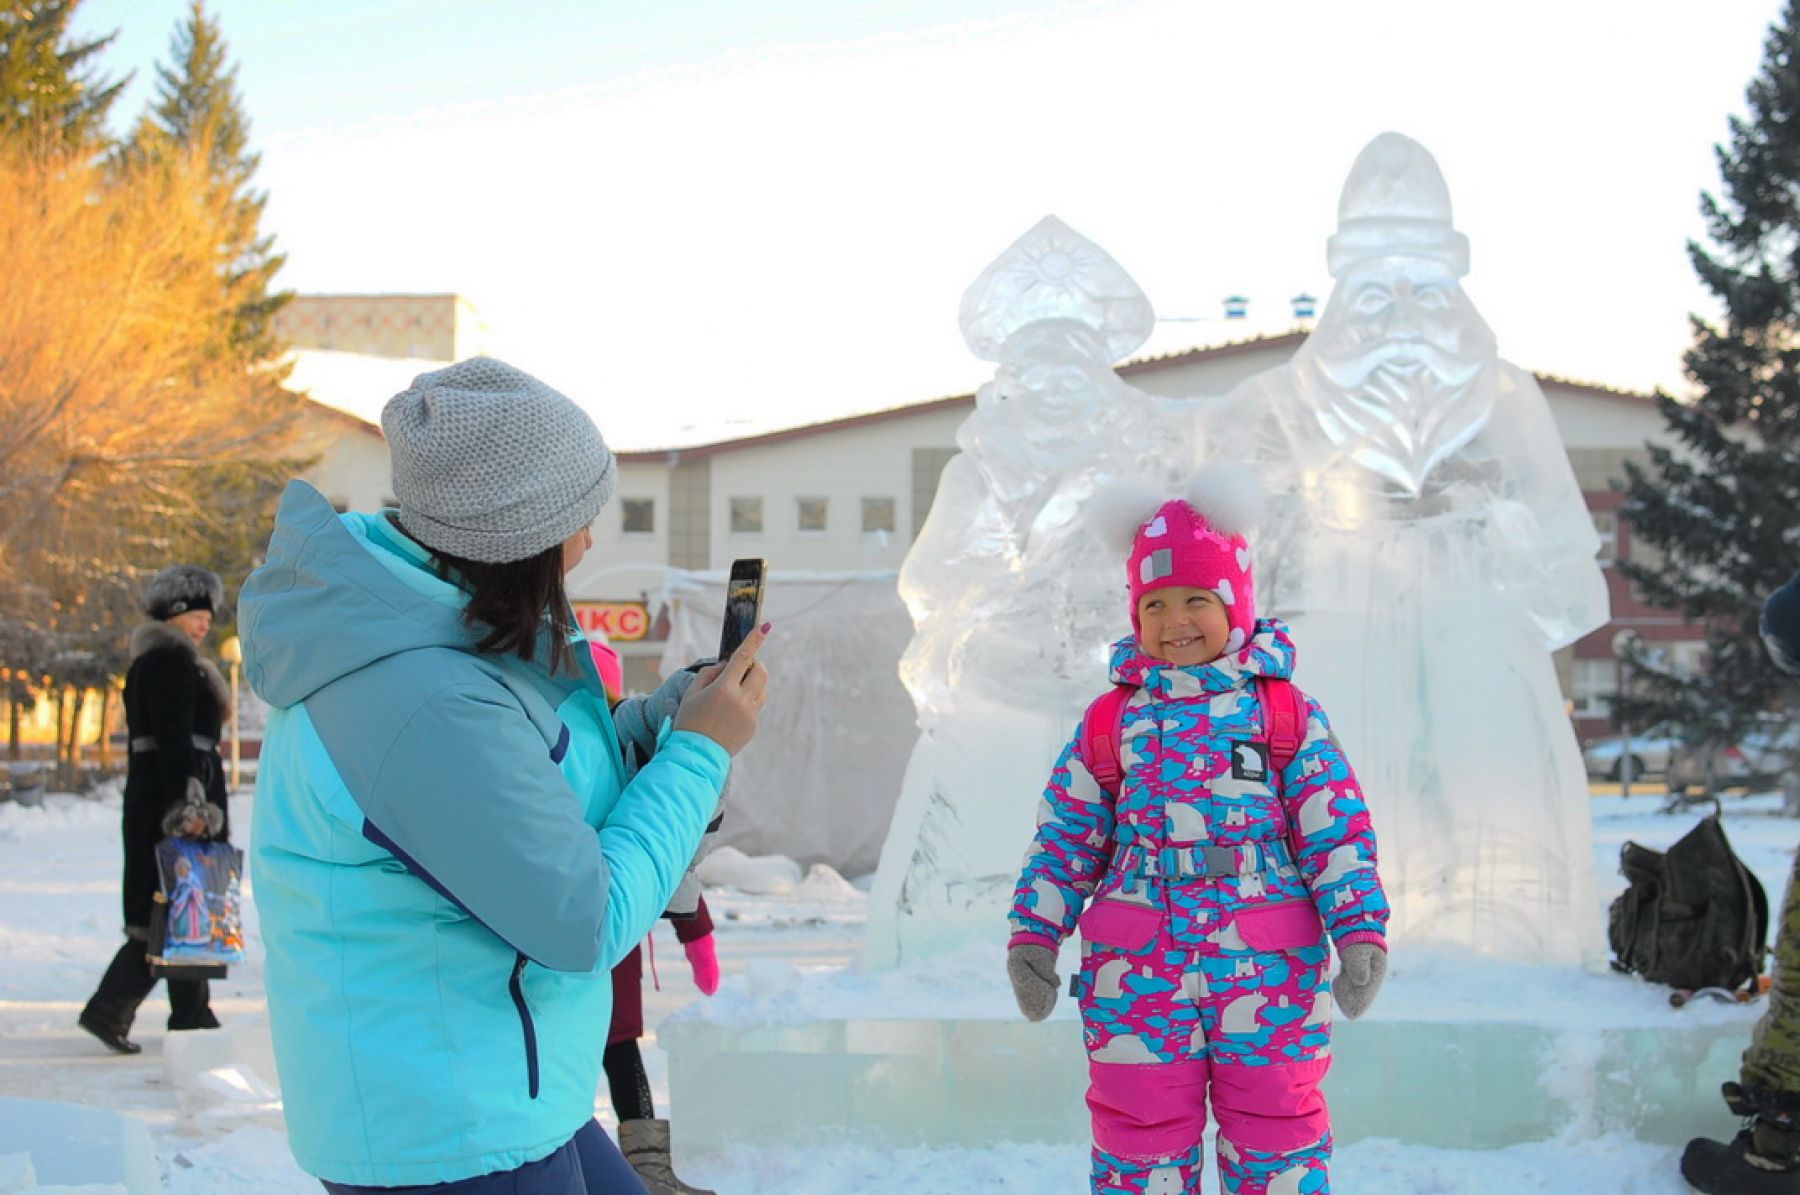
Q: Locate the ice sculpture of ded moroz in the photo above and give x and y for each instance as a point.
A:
(1428, 544)
(1013, 603)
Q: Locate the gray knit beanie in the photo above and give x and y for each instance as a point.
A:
(492, 465)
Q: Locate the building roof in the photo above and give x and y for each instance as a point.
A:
(347, 418)
(355, 384)
(1258, 344)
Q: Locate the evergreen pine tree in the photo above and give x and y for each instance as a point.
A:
(51, 96)
(1721, 507)
(197, 108)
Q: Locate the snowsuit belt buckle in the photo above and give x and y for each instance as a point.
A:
(1223, 861)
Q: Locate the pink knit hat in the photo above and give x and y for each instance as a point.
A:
(1199, 541)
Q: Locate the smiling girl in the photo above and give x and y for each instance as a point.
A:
(1221, 849)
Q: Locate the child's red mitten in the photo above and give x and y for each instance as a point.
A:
(703, 957)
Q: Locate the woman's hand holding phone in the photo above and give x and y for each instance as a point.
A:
(727, 698)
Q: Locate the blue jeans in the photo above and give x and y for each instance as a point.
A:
(590, 1164)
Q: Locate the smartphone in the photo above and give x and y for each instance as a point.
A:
(743, 603)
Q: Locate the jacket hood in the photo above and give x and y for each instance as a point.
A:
(337, 593)
(1270, 654)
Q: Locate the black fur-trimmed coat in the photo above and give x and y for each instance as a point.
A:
(172, 693)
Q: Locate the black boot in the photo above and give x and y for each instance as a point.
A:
(1763, 1159)
(108, 1029)
(1740, 1167)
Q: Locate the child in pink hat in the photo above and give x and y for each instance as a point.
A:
(1209, 823)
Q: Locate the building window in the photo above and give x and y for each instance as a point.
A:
(1688, 657)
(746, 516)
(1593, 686)
(1606, 525)
(637, 516)
(878, 515)
(811, 514)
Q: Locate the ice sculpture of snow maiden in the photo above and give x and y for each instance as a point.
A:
(1427, 540)
(1013, 603)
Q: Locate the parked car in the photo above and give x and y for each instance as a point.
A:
(1759, 760)
(1649, 753)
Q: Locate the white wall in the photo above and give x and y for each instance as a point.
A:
(352, 469)
(843, 466)
(624, 565)
(1590, 420)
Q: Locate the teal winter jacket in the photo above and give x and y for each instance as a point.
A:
(445, 858)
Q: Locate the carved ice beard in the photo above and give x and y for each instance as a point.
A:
(1400, 403)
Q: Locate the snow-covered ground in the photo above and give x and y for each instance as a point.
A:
(59, 916)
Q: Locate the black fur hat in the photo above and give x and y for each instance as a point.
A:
(183, 587)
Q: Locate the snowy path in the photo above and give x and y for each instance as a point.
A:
(59, 893)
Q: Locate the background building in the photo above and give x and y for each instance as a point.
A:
(850, 495)
(425, 327)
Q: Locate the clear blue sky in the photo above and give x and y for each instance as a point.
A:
(700, 216)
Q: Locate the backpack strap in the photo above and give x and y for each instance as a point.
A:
(1284, 718)
(1284, 724)
(1102, 727)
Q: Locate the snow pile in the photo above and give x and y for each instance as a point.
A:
(763, 875)
(61, 811)
(824, 885)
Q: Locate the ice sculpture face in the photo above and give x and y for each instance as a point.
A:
(1033, 420)
(1402, 346)
(1054, 312)
(1399, 342)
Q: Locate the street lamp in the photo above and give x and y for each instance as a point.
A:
(1623, 644)
(232, 652)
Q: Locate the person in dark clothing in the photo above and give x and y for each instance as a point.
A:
(175, 704)
(1765, 1156)
(644, 1139)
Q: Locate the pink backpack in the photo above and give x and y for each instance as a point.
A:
(1284, 725)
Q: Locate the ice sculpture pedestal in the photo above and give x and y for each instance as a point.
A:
(70, 1145)
(1474, 1056)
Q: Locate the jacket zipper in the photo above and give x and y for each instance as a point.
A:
(517, 988)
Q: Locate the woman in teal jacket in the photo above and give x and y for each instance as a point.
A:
(445, 856)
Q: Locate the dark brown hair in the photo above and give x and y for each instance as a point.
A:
(514, 601)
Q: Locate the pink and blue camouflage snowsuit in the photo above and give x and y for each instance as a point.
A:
(1210, 887)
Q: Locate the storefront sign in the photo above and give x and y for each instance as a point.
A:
(620, 622)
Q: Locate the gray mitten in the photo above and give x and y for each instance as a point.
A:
(1363, 965)
(1032, 969)
(638, 719)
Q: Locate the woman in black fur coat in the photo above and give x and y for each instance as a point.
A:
(175, 705)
